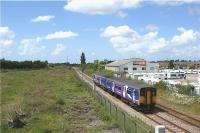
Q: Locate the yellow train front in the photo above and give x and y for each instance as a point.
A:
(147, 99)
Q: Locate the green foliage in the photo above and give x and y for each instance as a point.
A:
(83, 58)
(83, 61)
(171, 64)
(161, 85)
(60, 101)
(53, 100)
(191, 66)
(185, 89)
(98, 67)
(7, 64)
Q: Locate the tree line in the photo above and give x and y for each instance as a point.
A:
(8, 64)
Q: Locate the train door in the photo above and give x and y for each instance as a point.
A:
(125, 90)
(113, 86)
(148, 96)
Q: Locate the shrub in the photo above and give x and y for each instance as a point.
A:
(15, 118)
(185, 89)
(60, 101)
(161, 85)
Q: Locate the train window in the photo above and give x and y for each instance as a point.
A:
(142, 92)
(129, 90)
(154, 92)
(118, 87)
(134, 92)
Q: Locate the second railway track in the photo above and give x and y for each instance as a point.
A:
(174, 121)
(185, 117)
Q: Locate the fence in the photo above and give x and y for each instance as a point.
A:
(125, 121)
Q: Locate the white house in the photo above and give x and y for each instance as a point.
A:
(132, 66)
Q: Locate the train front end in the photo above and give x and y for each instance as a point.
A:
(147, 99)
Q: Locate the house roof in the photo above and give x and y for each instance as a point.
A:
(122, 62)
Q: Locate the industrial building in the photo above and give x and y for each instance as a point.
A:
(132, 66)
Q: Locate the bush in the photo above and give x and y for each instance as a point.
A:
(15, 118)
(161, 85)
(185, 89)
(60, 101)
(7, 64)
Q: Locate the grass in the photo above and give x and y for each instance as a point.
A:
(187, 104)
(52, 100)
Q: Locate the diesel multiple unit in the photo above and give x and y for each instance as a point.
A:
(136, 93)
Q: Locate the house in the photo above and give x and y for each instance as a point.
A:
(132, 65)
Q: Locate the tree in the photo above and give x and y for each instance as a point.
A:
(191, 66)
(185, 89)
(171, 64)
(83, 61)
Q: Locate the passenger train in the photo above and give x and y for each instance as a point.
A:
(136, 93)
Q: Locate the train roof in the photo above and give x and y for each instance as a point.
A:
(130, 82)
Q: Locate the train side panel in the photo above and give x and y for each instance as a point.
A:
(109, 84)
(118, 89)
(145, 98)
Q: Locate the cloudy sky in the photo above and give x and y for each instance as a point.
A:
(103, 29)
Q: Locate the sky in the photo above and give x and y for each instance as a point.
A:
(58, 31)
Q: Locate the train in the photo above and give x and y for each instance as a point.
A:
(136, 93)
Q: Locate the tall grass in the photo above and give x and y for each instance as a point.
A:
(51, 100)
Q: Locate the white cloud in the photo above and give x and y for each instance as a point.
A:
(121, 14)
(126, 40)
(186, 36)
(59, 48)
(61, 35)
(6, 36)
(112, 31)
(152, 27)
(189, 51)
(99, 7)
(174, 2)
(43, 18)
(6, 40)
(30, 47)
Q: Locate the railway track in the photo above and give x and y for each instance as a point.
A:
(170, 127)
(187, 118)
(174, 121)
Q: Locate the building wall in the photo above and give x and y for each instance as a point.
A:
(185, 65)
(115, 69)
(152, 67)
(130, 68)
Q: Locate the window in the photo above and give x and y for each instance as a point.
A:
(118, 87)
(125, 68)
(134, 68)
(143, 68)
(154, 92)
(151, 68)
(129, 90)
(142, 92)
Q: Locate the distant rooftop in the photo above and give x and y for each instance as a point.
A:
(124, 61)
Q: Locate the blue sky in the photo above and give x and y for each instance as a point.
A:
(60, 31)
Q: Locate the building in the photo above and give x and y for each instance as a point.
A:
(187, 65)
(133, 65)
(163, 64)
(180, 64)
